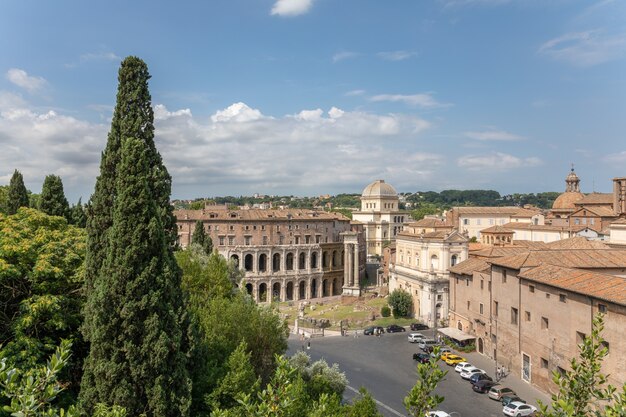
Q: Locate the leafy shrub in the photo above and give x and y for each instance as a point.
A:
(385, 311)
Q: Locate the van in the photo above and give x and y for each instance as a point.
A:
(425, 344)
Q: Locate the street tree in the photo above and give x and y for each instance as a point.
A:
(400, 302)
(52, 200)
(420, 400)
(201, 238)
(18, 194)
(135, 317)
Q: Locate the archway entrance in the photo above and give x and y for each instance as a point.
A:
(249, 288)
(276, 262)
(480, 345)
(302, 290)
(289, 291)
(313, 288)
(248, 262)
(235, 259)
(276, 291)
(262, 262)
(263, 292)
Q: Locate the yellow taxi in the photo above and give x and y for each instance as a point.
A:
(451, 358)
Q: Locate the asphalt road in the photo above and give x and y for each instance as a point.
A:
(384, 365)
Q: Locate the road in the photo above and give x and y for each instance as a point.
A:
(384, 366)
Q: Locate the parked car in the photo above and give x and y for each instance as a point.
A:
(394, 328)
(518, 409)
(496, 393)
(467, 374)
(480, 377)
(483, 386)
(437, 413)
(460, 367)
(372, 330)
(415, 337)
(506, 400)
(452, 359)
(426, 343)
(418, 326)
(421, 357)
(442, 350)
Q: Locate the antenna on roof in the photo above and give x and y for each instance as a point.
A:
(572, 167)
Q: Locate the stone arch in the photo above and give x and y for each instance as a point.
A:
(302, 290)
(314, 288)
(289, 291)
(262, 292)
(480, 345)
(249, 288)
(262, 262)
(248, 262)
(314, 260)
(302, 261)
(325, 285)
(335, 261)
(289, 260)
(276, 262)
(454, 260)
(235, 258)
(325, 259)
(337, 286)
(276, 291)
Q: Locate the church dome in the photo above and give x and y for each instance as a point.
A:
(566, 200)
(379, 189)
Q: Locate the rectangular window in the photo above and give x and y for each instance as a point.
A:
(467, 282)
(208, 227)
(489, 286)
(246, 227)
(504, 276)
(562, 298)
(231, 240)
(248, 240)
(481, 307)
(221, 240)
(265, 240)
(297, 240)
(465, 222)
(482, 284)
(468, 305)
(561, 371)
(281, 239)
(544, 363)
(495, 308)
(231, 227)
(531, 288)
(602, 308)
(307, 239)
(217, 228)
(317, 239)
(545, 323)
(439, 297)
(514, 315)
(478, 222)
(262, 227)
(527, 313)
(491, 222)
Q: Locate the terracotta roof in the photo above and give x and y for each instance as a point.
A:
(531, 245)
(530, 226)
(499, 251)
(596, 198)
(620, 221)
(577, 242)
(476, 246)
(469, 266)
(567, 200)
(429, 223)
(496, 229)
(602, 286)
(257, 214)
(511, 211)
(601, 211)
(578, 258)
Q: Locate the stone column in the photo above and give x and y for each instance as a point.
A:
(355, 276)
(307, 289)
(283, 291)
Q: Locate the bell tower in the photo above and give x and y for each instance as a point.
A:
(572, 182)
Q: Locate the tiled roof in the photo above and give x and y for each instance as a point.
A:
(499, 251)
(577, 242)
(496, 229)
(428, 223)
(596, 198)
(601, 211)
(531, 245)
(469, 266)
(530, 226)
(257, 214)
(602, 286)
(620, 221)
(580, 258)
(511, 211)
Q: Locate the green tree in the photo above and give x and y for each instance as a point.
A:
(52, 200)
(135, 316)
(4, 195)
(584, 391)
(18, 194)
(424, 209)
(200, 238)
(78, 215)
(400, 302)
(420, 400)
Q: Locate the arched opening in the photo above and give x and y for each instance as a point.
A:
(276, 291)
(302, 290)
(248, 262)
(480, 345)
(276, 262)
(335, 261)
(434, 262)
(438, 311)
(325, 259)
(341, 258)
(235, 260)
(459, 325)
(453, 260)
(249, 288)
(314, 260)
(302, 261)
(325, 287)
(262, 262)
(290, 261)
(289, 291)
(337, 286)
(262, 292)
(313, 288)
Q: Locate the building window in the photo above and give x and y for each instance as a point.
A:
(262, 227)
(468, 305)
(478, 222)
(491, 222)
(465, 222)
(514, 315)
(561, 371)
(246, 227)
(545, 323)
(544, 363)
(547, 295)
(317, 239)
(440, 297)
(576, 221)
(231, 240)
(527, 315)
(504, 276)
(562, 298)
(265, 240)
(602, 308)
(580, 337)
(221, 240)
(482, 283)
(495, 308)
(481, 308)
(231, 227)
(248, 240)
(467, 282)
(489, 286)
(281, 239)
(531, 288)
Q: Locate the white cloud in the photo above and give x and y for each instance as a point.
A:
(493, 134)
(496, 161)
(396, 55)
(100, 56)
(423, 100)
(21, 78)
(353, 93)
(587, 48)
(340, 56)
(291, 7)
(616, 158)
(238, 112)
(310, 115)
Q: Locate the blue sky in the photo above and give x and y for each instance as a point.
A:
(310, 97)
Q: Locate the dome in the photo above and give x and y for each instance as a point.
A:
(566, 200)
(379, 189)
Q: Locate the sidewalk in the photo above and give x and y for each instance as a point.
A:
(523, 389)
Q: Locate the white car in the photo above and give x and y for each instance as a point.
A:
(517, 408)
(467, 374)
(437, 414)
(415, 337)
(461, 366)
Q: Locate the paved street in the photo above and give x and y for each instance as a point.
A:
(384, 366)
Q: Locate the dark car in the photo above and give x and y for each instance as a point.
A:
(421, 357)
(508, 399)
(418, 326)
(483, 386)
(394, 328)
(480, 377)
(373, 330)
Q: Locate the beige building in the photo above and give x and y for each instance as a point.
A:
(472, 220)
(286, 255)
(380, 215)
(424, 252)
(530, 310)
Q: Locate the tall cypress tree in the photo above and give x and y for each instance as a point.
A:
(52, 200)
(134, 314)
(18, 194)
(79, 217)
